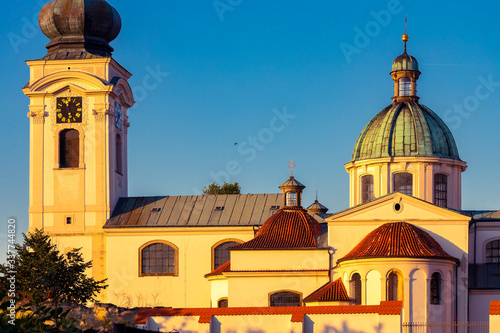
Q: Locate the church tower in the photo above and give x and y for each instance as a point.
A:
(79, 97)
(406, 148)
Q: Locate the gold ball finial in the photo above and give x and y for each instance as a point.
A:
(405, 38)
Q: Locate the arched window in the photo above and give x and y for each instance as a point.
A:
(367, 188)
(356, 288)
(291, 198)
(221, 253)
(285, 298)
(158, 259)
(403, 182)
(436, 288)
(69, 148)
(119, 147)
(404, 86)
(394, 287)
(441, 190)
(493, 251)
(222, 303)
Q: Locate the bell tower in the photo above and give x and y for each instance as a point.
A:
(79, 98)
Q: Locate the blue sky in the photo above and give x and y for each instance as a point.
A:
(209, 74)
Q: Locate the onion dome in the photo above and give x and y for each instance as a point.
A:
(398, 240)
(317, 208)
(405, 129)
(332, 291)
(79, 28)
(289, 227)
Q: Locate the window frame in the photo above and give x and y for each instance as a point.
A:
(441, 191)
(487, 259)
(362, 188)
(285, 291)
(62, 148)
(222, 299)
(291, 196)
(119, 154)
(435, 299)
(397, 174)
(404, 86)
(57, 145)
(357, 289)
(239, 241)
(176, 258)
(390, 288)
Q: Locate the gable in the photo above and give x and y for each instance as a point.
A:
(385, 209)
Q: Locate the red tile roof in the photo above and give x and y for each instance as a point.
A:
(397, 239)
(297, 312)
(222, 268)
(332, 291)
(495, 308)
(289, 227)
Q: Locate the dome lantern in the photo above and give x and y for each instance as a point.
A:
(405, 74)
(292, 190)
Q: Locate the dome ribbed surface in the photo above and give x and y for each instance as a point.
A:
(405, 129)
(79, 28)
(332, 291)
(397, 239)
(405, 62)
(289, 227)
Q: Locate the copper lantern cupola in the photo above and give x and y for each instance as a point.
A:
(405, 74)
(292, 192)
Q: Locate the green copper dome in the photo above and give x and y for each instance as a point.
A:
(405, 129)
(405, 62)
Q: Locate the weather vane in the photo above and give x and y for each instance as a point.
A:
(291, 165)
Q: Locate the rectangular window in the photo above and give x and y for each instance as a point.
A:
(68, 220)
(441, 190)
(403, 183)
(367, 188)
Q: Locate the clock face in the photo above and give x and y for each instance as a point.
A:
(69, 110)
(118, 116)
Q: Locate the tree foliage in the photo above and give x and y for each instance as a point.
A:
(46, 278)
(226, 188)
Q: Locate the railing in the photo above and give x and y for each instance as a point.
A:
(455, 327)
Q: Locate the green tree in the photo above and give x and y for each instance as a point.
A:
(46, 278)
(226, 188)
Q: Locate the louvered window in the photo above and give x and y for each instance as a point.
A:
(69, 148)
(394, 288)
(285, 298)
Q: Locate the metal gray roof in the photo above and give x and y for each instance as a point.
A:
(195, 210)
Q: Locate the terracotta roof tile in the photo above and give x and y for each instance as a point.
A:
(495, 308)
(222, 268)
(397, 239)
(297, 312)
(289, 227)
(332, 291)
(390, 307)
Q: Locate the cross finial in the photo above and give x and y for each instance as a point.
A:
(291, 165)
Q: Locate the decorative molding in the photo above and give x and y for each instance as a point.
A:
(38, 117)
(53, 106)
